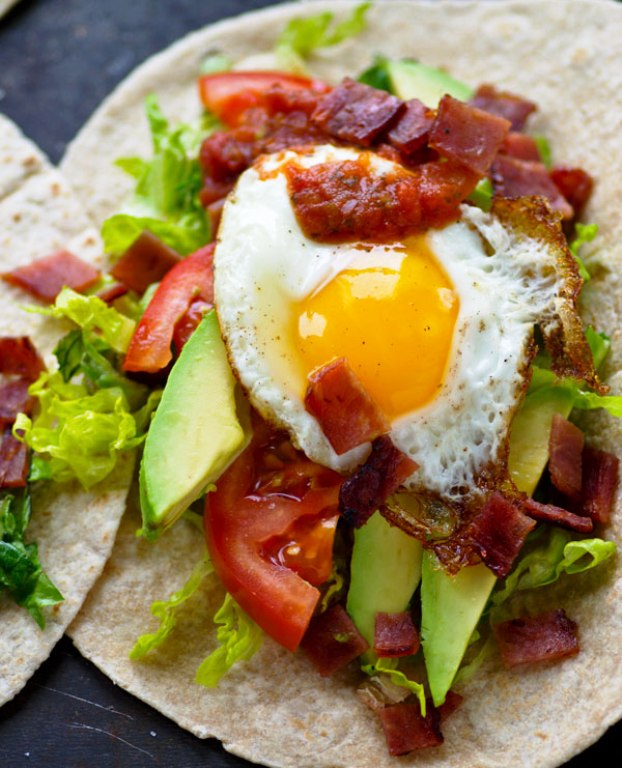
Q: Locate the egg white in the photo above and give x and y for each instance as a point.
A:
(506, 282)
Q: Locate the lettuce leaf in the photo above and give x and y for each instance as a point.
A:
(389, 667)
(550, 553)
(585, 233)
(301, 37)
(239, 637)
(377, 75)
(167, 610)
(166, 199)
(20, 569)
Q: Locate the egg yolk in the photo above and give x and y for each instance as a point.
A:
(392, 318)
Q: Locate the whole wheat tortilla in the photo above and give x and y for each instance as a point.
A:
(75, 530)
(275, 709)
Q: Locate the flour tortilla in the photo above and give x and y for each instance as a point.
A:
(275, 709)
(75, 530)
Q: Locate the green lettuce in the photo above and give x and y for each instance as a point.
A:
(166, 199)
(389, 667)
(377, 76)
(20, 569)
(167, 610)
(239, 637)
(550, 553)
(303, 36)
(585, 233)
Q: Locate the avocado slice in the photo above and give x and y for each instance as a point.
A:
(384, 572)
(451, 606)
(413, 80)
(196, 431)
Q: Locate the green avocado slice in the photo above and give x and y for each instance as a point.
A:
(412, 80)
(196, 431)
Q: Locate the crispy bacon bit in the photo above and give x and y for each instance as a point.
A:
(546, 637)
(113, 292)
(45, 277)
(381, 475)
(452, 701)
(356, 112)
(410, 132)
(513, 177)
(496, 534)
(565, 449)
(146, 261)
(575, 185)
(347, 414)
(332, 641)
(549, 513)
(522, 146)
(13, 462)
(14, 399)
(395, 634)
(466, 135)
(19, 357)
(406, 730)
(504, 104)
(600, 480)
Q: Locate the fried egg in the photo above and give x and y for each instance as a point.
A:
(438, 328)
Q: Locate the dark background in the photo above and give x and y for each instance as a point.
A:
(58, 60)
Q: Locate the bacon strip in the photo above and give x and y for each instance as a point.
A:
(503, 104)
(13, 462)
(395, 635)
(345, 411)
(44, 278)
(549, 513)
(412, 128)
(546, 637)
(565, 450)
(332, 641)
(522, 146)
(14, 399)
(381, 475)
(575, 184)
(600, 480)
(146, 261)
(466, 135)
(406, 730)
(513, 177)
(19, 357)
(356, 112)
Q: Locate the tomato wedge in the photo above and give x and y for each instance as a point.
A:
(270, 527)
(150, 346)
(229, 94)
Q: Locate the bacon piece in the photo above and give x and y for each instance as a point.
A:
(19, 357)
(113, 292)
(466, 135)
(513, 177)
(14, 399)
(146, 261)
(373, 482)
(395, 634)
(522, 146)
(549, 513)
(356, 112)
(13, 462)
(565, 449)
(504, 104)
(496, 534)
(600, 480)
(575, 184)
(332, 641)
(410, 132)
(345, 411)
(546, 637)
(406, 730)
(452, 701)
(44, 278)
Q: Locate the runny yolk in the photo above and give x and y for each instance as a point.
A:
(392, 318)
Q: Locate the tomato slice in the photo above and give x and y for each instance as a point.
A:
(150, 346)
(270, 527)
(229, 94)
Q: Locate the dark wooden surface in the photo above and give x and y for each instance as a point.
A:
(58, 59)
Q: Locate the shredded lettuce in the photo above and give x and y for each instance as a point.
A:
(482, 195)
(239, 637)
(20, 569)
(303, 36)
(552, 552)
(167, 610)
(544, 150)
(389, 667)
(166, 200)
(585, 233)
